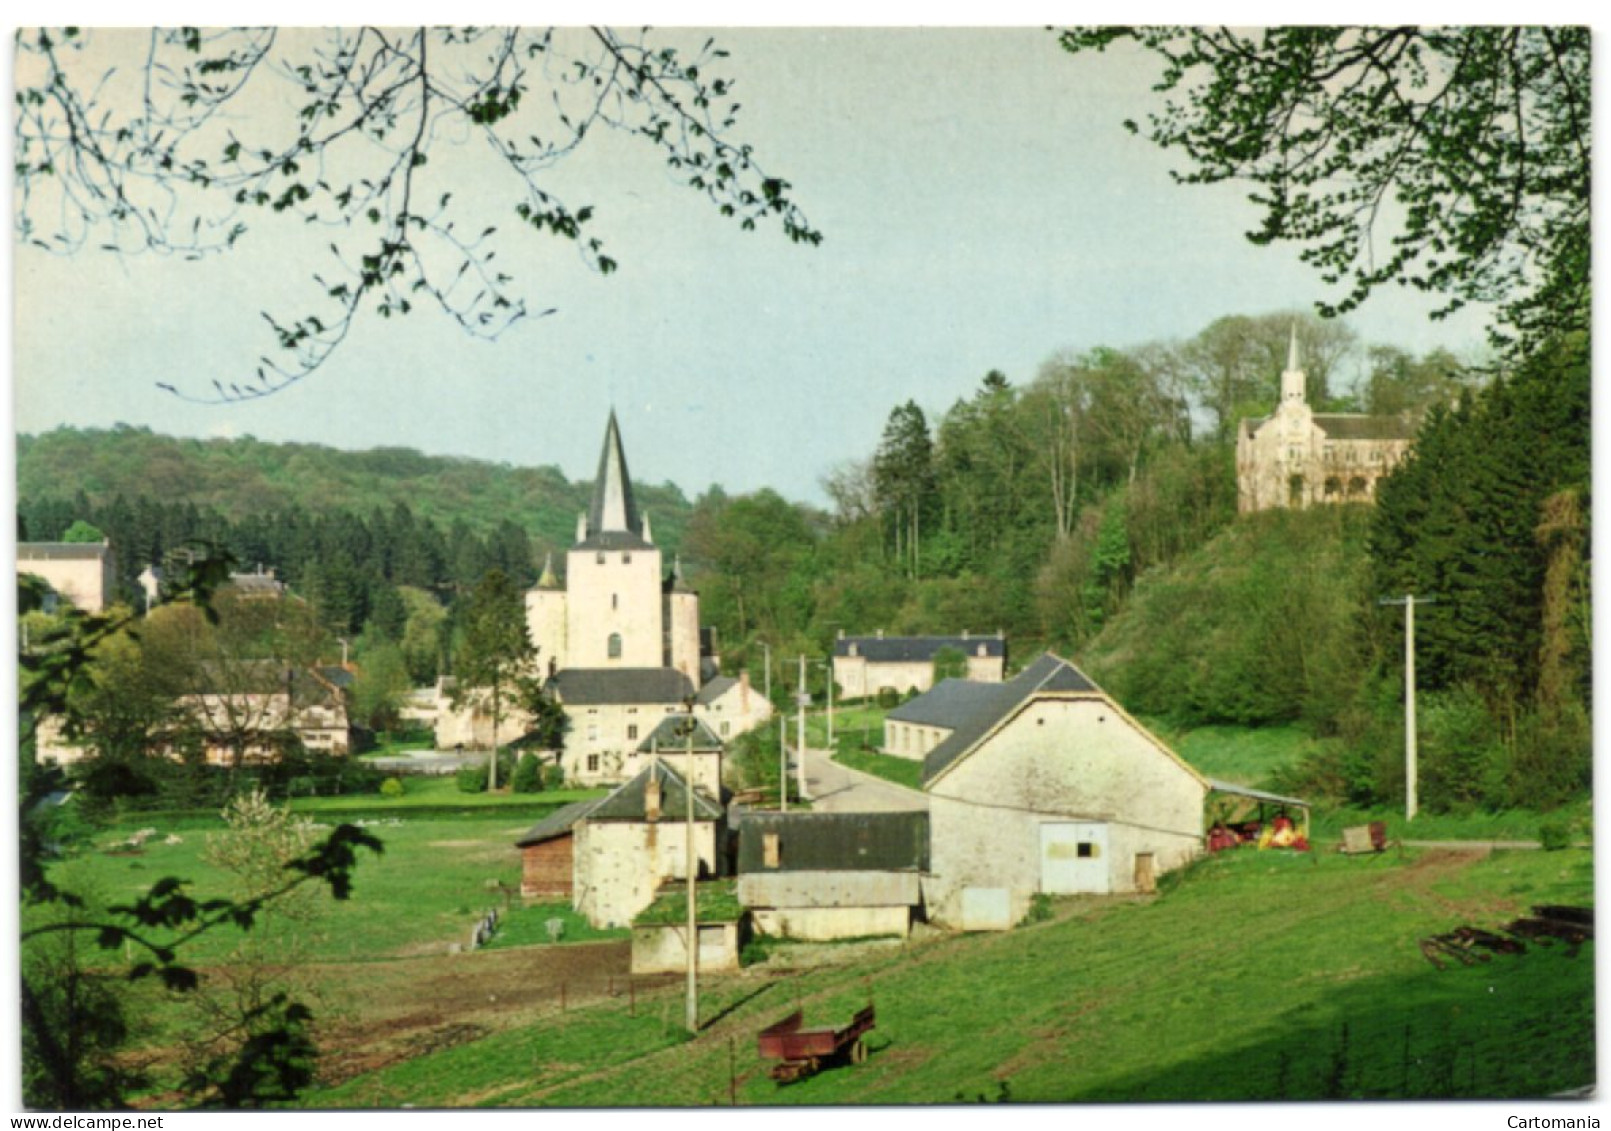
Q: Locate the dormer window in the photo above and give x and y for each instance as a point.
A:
(854, 651)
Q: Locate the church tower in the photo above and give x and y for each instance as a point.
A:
(614, 616)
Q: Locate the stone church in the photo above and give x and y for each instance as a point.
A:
(620, 638)
(1297, 457)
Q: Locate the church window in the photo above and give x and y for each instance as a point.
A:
(615, 600)
(615, 646)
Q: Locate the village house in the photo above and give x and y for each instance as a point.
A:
(81, 573)
(636, 838)
(832, 875)
(260, 705)
(1044, 785)
(1298, 457)
(863, 666)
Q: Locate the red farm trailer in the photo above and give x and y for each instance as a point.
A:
(803, 1051)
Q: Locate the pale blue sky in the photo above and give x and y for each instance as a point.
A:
(982, 208)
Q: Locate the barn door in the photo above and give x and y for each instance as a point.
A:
(1073, 857)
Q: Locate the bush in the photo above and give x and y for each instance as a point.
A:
(391, 787)
(1040, 910)
(472, 778)
(553, 776)
(888, 698)
(528, 775)
(1555, 835)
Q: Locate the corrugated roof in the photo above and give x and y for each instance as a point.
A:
(557, 823)
(1257, 794)
(916, 649)
(589, 686)
(669, 736)
(629, 802)
(981, 712)
(836, 842)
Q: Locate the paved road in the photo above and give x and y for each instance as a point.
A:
(838, 789)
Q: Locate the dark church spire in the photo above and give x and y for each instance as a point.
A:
(613, 510)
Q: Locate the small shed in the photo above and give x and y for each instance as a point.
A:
(660, 932)
(548, 851)
(832, 875)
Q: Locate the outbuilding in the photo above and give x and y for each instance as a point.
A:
(1044, 785)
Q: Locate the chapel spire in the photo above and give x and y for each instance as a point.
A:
(1292, 378)
(613, 509)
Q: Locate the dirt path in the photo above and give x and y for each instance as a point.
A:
(834, 788)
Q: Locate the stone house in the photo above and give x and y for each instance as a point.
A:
(1043, 784)
(832, 875)
(865, 665)
(81, 573)
(635, 839)
(660, 932)
(264, 703)
(669, 743)
(1297, 457)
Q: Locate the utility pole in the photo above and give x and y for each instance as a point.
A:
(691, 1014)
(799, 755)
(783, 763)
(766, 650)
(1409, 601)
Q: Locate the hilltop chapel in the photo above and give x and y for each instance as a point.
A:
(620, 640)
(1297, 457)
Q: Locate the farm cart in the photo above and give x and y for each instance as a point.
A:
(803, 1051)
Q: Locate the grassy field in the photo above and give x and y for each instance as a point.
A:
(1257, 976)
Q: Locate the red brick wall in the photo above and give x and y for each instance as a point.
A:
(546, 868)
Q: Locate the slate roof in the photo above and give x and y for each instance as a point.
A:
(668, 736)
(613, 509)
(971, 715)
(628, 802)
(1355, 426)
(61, 551)
(558, 823)
(614, 540)
(836, 842)
(714, 689)
(916, 649)
(582, 687)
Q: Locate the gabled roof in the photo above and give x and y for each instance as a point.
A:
(668, 736)
(583, 687)
(916, 649)
(973, 715)
(558, 823)
(629, 802)
(713, 689)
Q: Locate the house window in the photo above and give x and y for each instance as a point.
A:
(593, 764)
(615, 600)
(632, 731)
(600, 557)
(626, 557)
(769, 850)
(726, 728)
(615, 646)
(1087, 850)
(592, 732)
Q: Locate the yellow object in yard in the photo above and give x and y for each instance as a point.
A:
(1265, 837)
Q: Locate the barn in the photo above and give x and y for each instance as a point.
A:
(1043, 784)
(548, 852)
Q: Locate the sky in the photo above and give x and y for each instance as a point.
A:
(982, 208)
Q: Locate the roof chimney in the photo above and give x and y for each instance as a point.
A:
(880, 634)
(651, 795)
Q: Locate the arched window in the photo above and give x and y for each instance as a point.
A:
(1333, 487)
(1356, 487)
(615, 646)
(1295, 491)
